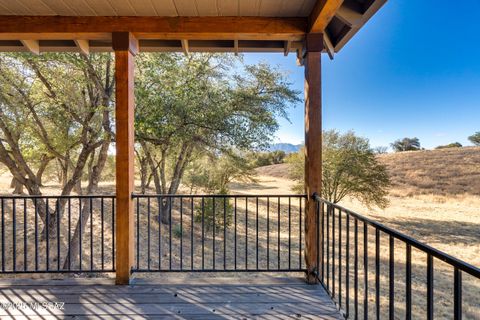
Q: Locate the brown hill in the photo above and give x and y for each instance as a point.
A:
(451, 171)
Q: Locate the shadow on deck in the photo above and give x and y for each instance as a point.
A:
(201, 298)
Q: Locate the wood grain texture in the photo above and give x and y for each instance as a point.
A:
(207, 298)
(124, 116)
(322, 14)
(313, 150)
(161, 27)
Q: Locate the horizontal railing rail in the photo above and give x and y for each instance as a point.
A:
(57, 234)
(228, 233)
(335, 236)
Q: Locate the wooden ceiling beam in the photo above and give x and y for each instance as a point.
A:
(350, 13)
(246, 28)
(322, 13)
(31, 45)
(327, 43)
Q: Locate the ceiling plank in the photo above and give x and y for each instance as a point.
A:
(322, 13)
(32, 45)
(249, 8)
(186, 8)
(83, 45)
(159, 27)
(207, 8)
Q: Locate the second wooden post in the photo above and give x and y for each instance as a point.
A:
(125, 47)
(313, 148)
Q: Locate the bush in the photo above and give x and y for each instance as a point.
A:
(475, 138)
(261, 159)
(450, 145)
(210, 214)
(177, 231)
(406, 144)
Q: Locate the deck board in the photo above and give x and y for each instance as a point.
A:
(208, 298)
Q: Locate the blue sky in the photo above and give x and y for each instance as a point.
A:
(412, 71)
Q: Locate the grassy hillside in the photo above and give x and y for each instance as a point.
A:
(443, 172)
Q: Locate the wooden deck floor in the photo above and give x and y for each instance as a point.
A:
(202, 298)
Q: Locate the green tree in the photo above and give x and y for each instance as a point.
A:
(475, 138)
(406, 144)
(200, 104)
(450, 145)
(349, 168)
(44, 118)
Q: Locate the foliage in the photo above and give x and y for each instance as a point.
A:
(212, 175)
(203, 104)
(349, 168)
(177, 231)
(406, 144)
(260, 159)
(48, 122)
(475, 138)
(296, 169)
(217, 213)
(450, 145)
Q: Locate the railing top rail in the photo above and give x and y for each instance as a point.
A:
(457, 263)
(87, 196)
(137, 195)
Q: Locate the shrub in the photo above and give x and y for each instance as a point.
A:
(475, 138)
(177, 231)
(219, 213)
(406, 144)
(450, 145)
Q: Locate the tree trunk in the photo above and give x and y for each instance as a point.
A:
(17, 186)
(94, 179)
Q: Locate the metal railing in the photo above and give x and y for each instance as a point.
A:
(228, 233)
(57, 234)
(346, 271)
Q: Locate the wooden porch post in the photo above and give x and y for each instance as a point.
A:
(125, 46)
(313, 148)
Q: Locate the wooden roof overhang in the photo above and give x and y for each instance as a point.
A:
(39, 28)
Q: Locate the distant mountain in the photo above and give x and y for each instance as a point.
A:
(286, 147)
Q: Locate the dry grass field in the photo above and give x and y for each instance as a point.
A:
(443, 172)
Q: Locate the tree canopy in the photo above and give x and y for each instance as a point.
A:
(204, 103)
(475, 138)
(406, 144)
(349, 168)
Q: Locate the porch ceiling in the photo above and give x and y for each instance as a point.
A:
(180, 25)
(167, 8)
